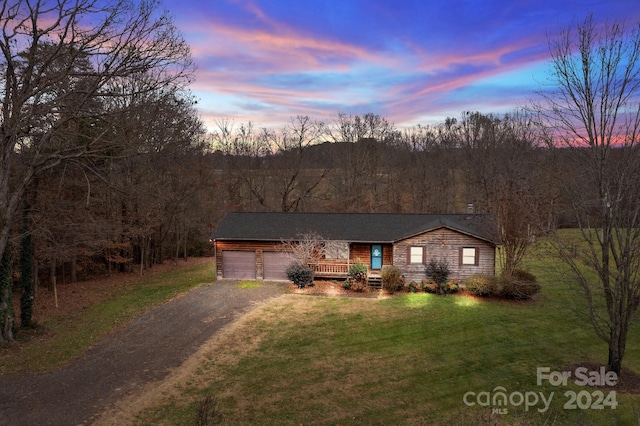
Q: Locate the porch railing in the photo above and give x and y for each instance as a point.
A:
(341, 270)
(330, 269)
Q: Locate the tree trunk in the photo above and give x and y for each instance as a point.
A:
(142, 257)
(185, 247)
(74, 263)
(616, 352)
(109, 262)
(26, 273)
(52, 272)
(6, 301)
(620, 323)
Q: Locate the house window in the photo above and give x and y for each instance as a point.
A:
(469, 256)
(416, 254)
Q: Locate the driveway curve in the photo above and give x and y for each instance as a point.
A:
(145, 351)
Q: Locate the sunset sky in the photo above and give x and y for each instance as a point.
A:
(412, 61)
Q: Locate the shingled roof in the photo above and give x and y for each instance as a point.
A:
(351, 227)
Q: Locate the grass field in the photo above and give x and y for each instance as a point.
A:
(408, 359)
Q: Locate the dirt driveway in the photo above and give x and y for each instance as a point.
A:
(116, 367)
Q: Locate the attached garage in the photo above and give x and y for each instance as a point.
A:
(239, 264)
(275, 265)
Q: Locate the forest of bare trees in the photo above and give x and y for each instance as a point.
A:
(89, 179)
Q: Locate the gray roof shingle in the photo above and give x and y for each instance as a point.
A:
(352, 227)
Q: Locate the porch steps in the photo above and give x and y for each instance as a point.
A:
(375, 282)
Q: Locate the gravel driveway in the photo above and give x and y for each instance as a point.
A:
(145, 351)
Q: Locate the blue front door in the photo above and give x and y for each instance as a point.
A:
(376, 256)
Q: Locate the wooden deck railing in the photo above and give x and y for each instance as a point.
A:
(339, 270)
(330, 269)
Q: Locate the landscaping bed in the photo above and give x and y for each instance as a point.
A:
(333, 288)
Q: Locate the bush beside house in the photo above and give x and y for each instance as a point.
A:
(301, 275)
(358, 276)
(520, 285)
(392, 279)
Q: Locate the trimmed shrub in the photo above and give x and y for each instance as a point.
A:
(300, 274)
(358, 271)
(438, 271)
(521, 285)
(429, 286)
(451, 286)
(358, 276)
(483, 285)
(391, 279)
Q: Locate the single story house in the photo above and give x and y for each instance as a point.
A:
(249, 245)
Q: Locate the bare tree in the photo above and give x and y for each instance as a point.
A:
(501, 177)
(296, 179)
(273, 168)
(594, 111)
(67, 69)
(307, 249)
(428, 170)
(359, 154)
(245, 153)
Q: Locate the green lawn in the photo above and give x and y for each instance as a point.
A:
(409, 359)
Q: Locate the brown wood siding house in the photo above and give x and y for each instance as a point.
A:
(249, 244)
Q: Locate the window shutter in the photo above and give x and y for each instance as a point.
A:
(460, 256)
(408, 255)
(477, 259)
(424, 255)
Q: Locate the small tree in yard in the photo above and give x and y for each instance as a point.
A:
(438, 271)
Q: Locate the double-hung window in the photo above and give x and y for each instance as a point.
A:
(416, 254)
(469, 256)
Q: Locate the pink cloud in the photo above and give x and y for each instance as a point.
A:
(279, 51)
(263, 62)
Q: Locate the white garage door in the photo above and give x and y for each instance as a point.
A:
(275, 265)
(239, 264)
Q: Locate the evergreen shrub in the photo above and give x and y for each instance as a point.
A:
(358, 276)
(301, 275)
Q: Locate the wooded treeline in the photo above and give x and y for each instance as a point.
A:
(163, 192)
(363, 163)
